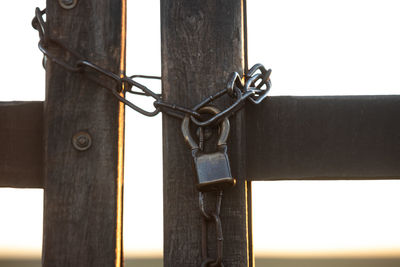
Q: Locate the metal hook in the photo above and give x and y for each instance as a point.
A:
(225, 126)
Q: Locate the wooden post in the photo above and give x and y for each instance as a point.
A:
(202, 43)
(83, 189)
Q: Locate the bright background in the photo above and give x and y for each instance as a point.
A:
(314, 48)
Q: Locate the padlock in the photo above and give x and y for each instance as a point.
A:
(213, 172)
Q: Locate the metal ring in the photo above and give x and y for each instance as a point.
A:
(252, 82)
(225, 126)
(234, 80)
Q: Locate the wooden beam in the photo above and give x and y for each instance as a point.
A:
(83, 189)
(324, 138)
(21, 138)
(202, 43)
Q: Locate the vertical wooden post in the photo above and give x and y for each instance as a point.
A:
(202, 43)
(83, 189)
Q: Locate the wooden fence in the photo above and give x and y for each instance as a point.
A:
(285, 138)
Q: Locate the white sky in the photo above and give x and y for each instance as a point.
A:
(314, 48)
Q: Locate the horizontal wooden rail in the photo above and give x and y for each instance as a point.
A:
(324, 138)
(288, 138)
(21, 139)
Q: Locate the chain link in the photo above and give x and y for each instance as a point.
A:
(206, 218)
(215, 218)
(255, 87)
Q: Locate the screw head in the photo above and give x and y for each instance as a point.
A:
(82, 141)
(67, 4)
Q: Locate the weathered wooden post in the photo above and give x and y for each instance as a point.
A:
(83, 186)
(202, 43)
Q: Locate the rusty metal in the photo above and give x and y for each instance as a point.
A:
(254, 87)
(82, 141)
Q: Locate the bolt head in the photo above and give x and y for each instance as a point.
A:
(67, 4)
(81, 141)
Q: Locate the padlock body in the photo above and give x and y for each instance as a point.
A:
(213, 171)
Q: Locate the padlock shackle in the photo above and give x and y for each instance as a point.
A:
(224, 132)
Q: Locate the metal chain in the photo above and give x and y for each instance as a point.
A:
(215, 218)
(254, 88)
(206, 218)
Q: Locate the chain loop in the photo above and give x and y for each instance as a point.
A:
(215, 218)
(254, 88)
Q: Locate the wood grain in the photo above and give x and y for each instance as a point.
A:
(21, 138)
(82, 196)
(324, 138)
(202, 43)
